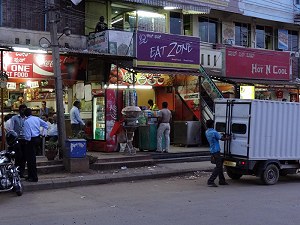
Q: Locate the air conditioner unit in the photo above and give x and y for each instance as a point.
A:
(295, 54)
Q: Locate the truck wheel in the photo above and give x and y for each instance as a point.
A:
(232, 174)
(270, 175)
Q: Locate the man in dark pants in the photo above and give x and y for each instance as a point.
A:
(32, 126)
(76, 122)
(213, 138)
(17, 124)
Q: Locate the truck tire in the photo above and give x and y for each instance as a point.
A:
(270, 175)
(232, 173)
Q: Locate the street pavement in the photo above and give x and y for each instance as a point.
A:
(123, 174)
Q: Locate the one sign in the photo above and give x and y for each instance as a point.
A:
(257, 64)
(27, 65)
(166, 50)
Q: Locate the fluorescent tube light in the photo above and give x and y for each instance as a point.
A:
(20, 49)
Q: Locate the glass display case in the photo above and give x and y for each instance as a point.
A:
(99, 118)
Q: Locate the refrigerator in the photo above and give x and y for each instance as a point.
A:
(187, 133)
(107, 106)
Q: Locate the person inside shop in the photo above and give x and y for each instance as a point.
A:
(17, 124)
(32, 126)
(76, 122)
(44, 110)
(17, 103)
(52, 130)
(164, 128)
(101, 25)
(213, 138)
(152, 105)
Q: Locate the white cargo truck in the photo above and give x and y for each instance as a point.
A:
(265, 137)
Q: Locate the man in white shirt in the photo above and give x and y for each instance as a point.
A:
(76, 121)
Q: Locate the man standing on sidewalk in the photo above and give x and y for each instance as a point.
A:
(164, 128)
(32, 126)
(76, 121)
(213, 138)
(17, 124)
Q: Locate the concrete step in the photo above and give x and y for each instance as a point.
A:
(130, 161)
(120, 164)
(156, 155)
(183, 159)
(125, 158)
(50, 169)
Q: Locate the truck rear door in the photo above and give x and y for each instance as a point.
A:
(233, 118)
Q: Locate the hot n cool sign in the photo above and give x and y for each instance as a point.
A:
(257, 64)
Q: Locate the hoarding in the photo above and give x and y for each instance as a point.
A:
(27, 65)
(257, 64)
(167, 51)
(111, 42)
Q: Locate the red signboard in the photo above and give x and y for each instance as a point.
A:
(27, 65)
(257, 64)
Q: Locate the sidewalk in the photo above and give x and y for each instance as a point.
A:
(65, 180)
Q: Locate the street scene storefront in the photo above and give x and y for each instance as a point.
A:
(258, 74)
(165, 70)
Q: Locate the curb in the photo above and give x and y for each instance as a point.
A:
(57, 183)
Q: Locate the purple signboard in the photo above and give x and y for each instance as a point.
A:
(167, 50)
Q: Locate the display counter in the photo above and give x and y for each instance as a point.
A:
(147, 137)
(147, 131)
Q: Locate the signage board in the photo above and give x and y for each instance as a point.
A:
(167, 50)
(257, 64)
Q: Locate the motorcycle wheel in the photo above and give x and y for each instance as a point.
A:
(19, 188)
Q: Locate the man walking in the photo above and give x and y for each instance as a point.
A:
(76, 121)
(164, 128)
(213, 138)
(17, 124)
(32, 126)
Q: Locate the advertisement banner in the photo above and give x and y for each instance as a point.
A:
(166, 50)
(283, 39)
(98, 42)
(120, 43)
(257, 64)
(27, 65)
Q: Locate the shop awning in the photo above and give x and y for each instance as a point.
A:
(167, 71)
(264, 83)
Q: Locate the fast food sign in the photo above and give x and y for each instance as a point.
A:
(257, 64)
(27, 65)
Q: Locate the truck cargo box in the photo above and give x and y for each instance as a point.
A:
(261, 129)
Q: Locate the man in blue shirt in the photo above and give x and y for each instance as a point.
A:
(213, 138)
(32, 126)
(76, 121)
(17, 124)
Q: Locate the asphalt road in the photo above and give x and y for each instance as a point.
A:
(182, 200)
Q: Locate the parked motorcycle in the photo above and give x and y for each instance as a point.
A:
(9, 174)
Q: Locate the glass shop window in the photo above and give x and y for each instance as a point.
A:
(208, 30)
(242, 34)
(175, 23)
